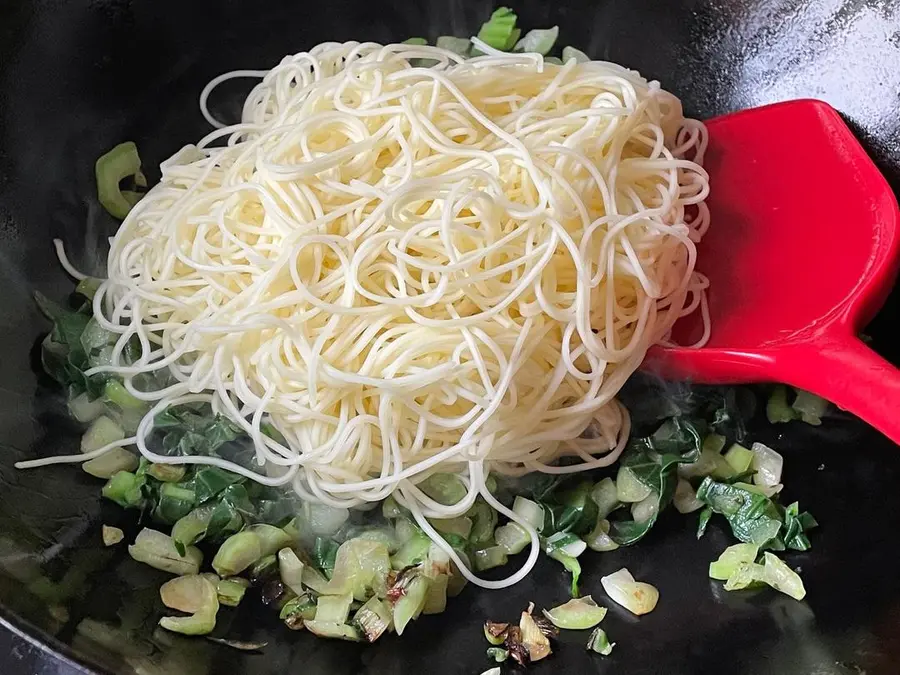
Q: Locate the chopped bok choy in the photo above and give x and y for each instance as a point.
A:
(195, 595)
(576, 614)
(600, 643)
(119, 163)
(772, 572)
(810, 407)
(158, 550)
(635, 596)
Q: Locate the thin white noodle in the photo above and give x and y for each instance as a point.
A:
(408, 270)
(75, 459)
(64, 261)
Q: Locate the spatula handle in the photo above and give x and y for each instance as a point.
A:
(852, 376)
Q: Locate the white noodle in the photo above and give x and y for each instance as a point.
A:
(64, 261)
(414, 269)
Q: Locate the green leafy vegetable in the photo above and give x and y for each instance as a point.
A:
(174, 502)
(187, 431)
(571, 510)
(63, 353)
(755, 518)
(703, 521)
(572, 566)
(653, 461)
(324, 554)
(796, 524)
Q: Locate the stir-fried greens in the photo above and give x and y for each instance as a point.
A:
(357, 577)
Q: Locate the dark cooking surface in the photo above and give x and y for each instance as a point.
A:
(78, 76)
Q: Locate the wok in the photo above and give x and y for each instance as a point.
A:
(79, 76)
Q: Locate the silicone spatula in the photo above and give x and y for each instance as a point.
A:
(801, 252)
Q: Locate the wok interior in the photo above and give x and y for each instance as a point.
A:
(78, 77)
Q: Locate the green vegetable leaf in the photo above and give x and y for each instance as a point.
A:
(209, 481)
(703, 521)
(754, 518)
(189, 431)
(324, 554)
(72, 347)
(174, 502)
(653, 461)
(232, 511)
(795, 526)
(757, 519)
(572, 565)
(571, 510)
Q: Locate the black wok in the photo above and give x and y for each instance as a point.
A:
(79, 76)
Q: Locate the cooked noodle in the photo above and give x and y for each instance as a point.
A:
(409, 267)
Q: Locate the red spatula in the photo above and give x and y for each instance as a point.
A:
(802, 251)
